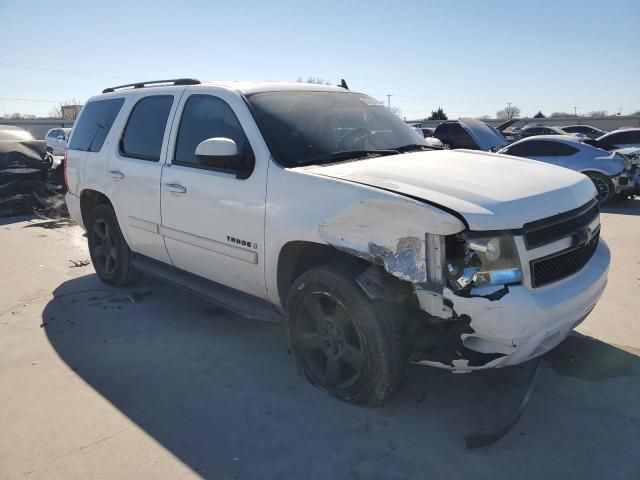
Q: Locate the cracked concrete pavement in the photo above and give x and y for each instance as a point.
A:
(95, 385)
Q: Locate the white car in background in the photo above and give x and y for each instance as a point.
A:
(57, 139)
(622, 138)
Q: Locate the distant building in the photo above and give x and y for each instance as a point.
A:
(70, 112)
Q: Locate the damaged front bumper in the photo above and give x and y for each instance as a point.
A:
(526, 322)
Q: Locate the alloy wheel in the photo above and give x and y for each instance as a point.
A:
(327, 341)
(104, 249)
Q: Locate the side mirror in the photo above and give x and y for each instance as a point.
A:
(222, 153)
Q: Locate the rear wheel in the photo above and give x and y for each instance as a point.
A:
(604, 186)
(345, 343)
(108, 249)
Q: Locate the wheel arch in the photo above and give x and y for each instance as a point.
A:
(296, 257)
(89, 199)
(593, 170)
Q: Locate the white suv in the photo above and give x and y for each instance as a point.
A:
(316, 205)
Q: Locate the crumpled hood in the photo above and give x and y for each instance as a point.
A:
(491, 191)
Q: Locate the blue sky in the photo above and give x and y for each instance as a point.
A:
(469, 56)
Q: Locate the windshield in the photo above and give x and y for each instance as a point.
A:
(306, 127)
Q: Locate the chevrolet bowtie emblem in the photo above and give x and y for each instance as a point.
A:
(581, 237)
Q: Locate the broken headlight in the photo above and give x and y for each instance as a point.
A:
(481, 261)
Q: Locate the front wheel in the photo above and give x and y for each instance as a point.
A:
(345, 343)
(604, 186)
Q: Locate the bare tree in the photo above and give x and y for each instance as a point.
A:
(56, 112)
(316, 80)
(598, 113)
(508, 112)
(561, 114)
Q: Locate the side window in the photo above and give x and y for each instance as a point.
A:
(93, 126)
(443, 128)
(142, 137)
(203, 117)
(457, 130)
(534, 148)
(520, 149)
(562, 149)
(52, 134)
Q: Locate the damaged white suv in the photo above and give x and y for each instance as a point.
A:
(317, 206)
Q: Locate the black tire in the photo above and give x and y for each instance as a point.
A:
(109, 251)
(446, 145)
(604, 186)
(345, 343)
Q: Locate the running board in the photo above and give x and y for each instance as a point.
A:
(226, 297)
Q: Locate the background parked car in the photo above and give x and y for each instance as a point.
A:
(587, 130)
(622, 138)
(427, 132)
(607, 170)
(57, 139)
(469, 133)
(532, 130)
(26, 179)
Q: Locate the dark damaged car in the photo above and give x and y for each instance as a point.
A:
(27, 180)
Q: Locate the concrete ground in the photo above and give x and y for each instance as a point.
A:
(94, 385)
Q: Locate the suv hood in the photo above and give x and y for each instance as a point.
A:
(491, 191)
(485, 136)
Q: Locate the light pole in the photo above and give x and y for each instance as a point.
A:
(508, 110)
(389, 101)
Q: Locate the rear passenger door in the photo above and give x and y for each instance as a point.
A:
(135, 168)
(212, 219)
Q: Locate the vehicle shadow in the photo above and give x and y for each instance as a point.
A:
(622, 207)
(222, 393)
(15, 219)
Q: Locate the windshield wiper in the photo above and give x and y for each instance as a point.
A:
(346, 155)
(413, 147)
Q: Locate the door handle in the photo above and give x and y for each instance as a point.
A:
(175, 188)
(117, 174)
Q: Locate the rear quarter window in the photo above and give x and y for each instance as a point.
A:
(94, 124)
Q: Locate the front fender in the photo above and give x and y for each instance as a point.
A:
(383, 227)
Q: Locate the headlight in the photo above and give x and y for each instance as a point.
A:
(475, 260)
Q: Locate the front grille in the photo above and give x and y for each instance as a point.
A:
(562, 264)
(554, 228)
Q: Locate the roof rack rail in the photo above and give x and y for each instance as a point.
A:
(176, 81)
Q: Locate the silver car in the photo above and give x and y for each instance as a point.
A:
(622, 138)
(611, 172)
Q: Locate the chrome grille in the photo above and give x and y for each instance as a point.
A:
(548, 230)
